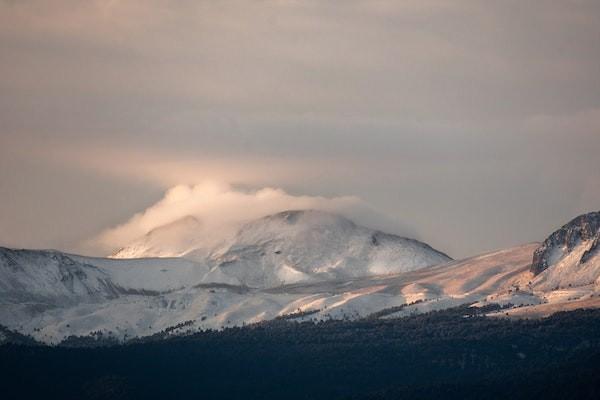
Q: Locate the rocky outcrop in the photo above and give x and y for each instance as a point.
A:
(592, 251)
(584, 228)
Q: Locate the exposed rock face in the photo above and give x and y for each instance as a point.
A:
(584, 228)
(592, 251)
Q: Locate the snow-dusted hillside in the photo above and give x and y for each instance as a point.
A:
(570, 257)
(50, 277)
(54, 277)
(288, 247)
(175, 239)
(317, 264)
(310, 246)
(134, 312)
(61, 293)
(565, 269)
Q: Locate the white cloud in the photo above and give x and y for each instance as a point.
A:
(221, 208)
(431, 111)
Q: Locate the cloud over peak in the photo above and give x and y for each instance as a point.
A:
(221, 208)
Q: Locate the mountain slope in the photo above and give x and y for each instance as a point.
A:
(50, 276)
(138, 312)
(309, 245)
(569, 257)
(52, 295)
(565, 270)
(171, 240)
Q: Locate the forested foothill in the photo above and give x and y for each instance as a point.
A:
(453, 354)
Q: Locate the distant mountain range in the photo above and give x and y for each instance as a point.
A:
(302, 264)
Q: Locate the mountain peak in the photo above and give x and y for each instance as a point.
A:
(306, 245)
(173, 239)
(583, 230)
(287, 247)
(307, 217)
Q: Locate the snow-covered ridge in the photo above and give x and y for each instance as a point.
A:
(175, 239)
(288, 247)
(583, 230)
(29, 275)
(320, 264)
(134, 311)
(309, 245)
(569, 257)
(49, 274)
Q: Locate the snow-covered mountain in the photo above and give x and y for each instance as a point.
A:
(570, 256)
(50, 276)
(288, 247)
(310, 246)
(150, 295)
(53, 277)
(344, 270)
(565, 269)
(175, 239)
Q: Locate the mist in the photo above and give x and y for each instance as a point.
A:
(221, 209)
(475, 123)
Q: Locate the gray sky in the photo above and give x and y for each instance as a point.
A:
(472, 125)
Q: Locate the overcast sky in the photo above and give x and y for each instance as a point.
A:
(471, 125)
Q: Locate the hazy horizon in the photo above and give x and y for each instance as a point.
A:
(469, 126)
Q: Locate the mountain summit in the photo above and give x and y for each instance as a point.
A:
(303, 264)
(310, 245)
(174, 239)
(571, 255)
(287, 247)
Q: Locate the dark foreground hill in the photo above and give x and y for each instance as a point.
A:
(453, 354)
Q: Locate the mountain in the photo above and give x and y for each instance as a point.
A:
(153, 295)
(570, 256)
(50, 276)
(301, 265)
(565, 270)
(175, 239)
(309, 245)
